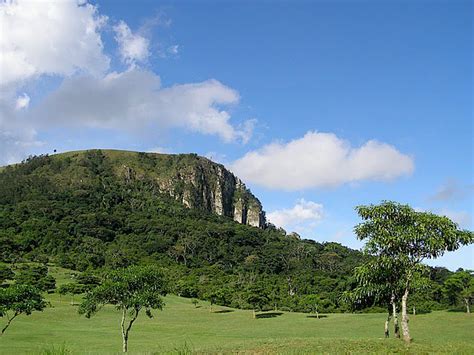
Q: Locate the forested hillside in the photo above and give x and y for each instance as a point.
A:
(77, 212)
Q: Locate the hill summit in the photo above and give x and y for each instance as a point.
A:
(195, 181)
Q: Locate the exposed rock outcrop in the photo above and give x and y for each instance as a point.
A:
(200, 183)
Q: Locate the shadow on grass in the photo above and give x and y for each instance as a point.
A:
(457, 310)
(321, 316)
(223, 311)
(268, 315)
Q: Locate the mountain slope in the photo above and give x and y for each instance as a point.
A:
(194, 181)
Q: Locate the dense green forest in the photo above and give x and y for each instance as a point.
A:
(76, 212)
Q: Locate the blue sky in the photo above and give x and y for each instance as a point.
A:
(318, 105)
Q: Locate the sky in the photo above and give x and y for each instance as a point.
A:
(319, 106)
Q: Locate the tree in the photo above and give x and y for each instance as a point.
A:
(19, 299)
(257, 297)
(36, 275)
(460, 285)
(215, 296)
(311, 303)
(130, 290)
(398, 235)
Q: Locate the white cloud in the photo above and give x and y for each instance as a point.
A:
(301, 216)
(135, 100)
(22, 101)
(56, 37)
(133, 47)
(17, 134)
(62, 38)
(321, 160)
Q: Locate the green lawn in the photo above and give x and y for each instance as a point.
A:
(182, 328)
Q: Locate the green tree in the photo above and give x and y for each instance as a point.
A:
(460, 285)
(130, 290)
(19, 299)
(397, 235)
(257, 297)
(311, 303)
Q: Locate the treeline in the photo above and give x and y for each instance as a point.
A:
(81, 215)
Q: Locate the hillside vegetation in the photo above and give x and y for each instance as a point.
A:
(93, 210)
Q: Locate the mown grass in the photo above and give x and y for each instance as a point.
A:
(182, 328)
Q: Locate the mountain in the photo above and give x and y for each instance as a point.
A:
(195, 181)
(105, 209)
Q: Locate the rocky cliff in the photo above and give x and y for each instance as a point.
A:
(201, 183)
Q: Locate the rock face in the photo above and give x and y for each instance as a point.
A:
(200, 183)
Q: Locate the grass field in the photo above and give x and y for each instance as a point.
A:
(182, 328)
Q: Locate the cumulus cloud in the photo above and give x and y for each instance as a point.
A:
(302, 216)
(133, 48)
(321, 160)
(56, 37)
(135, 98)
(62, 38)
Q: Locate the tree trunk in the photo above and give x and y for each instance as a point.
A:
(8, 323)
(396, 330)
(387, 323)
(405, 330)
(414, 311)
(468, 310)
(124, 332)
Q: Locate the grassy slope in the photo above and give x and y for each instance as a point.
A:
(181, 326)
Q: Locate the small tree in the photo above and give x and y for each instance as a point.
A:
(257, 297)
(215, 296)
(460, 285)
(130, 290)
(398, 235)
(19, 299)
(311, 303)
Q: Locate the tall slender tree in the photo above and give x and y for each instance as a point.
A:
(396, 234)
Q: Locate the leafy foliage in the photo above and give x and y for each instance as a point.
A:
(19, 299)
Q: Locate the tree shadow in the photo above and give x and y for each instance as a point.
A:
(457, 310)
(268, 315)
(320, 316)
(224, 311)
